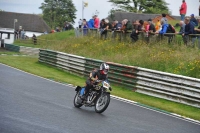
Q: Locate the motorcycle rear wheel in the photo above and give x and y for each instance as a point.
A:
(77, 105)
(102, 103)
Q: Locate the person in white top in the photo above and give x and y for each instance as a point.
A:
(80, 23)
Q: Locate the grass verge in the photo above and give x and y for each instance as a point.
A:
(31, 65)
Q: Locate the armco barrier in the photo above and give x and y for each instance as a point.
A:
(168, 86)
(71, 63)
(22, 49)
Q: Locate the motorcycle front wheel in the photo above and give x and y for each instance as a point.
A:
(76, 98)
(102, 103)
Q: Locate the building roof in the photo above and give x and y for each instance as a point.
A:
(135, 16)
(29, 22)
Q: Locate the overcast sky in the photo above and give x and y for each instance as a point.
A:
(103, 7)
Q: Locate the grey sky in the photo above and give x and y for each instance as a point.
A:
(31, 6)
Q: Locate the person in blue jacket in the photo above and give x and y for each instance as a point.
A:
(91, 23)
(165, 30)
(193, 20)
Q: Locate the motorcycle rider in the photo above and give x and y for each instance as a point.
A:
(101, 74)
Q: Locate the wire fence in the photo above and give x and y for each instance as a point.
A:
(192, 40)
(146, 37)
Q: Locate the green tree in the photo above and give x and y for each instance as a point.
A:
(56, 12)
(142, 6)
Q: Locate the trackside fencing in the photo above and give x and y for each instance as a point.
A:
(22, 49)
(168, 86)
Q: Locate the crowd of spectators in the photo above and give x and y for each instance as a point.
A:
(188, 27)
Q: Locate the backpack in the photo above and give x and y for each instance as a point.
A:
(171, 29)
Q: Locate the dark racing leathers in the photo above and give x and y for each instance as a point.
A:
(94, 75)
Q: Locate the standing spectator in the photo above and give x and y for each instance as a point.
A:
(189, 29)
(23, 34)
(19, 33)
(96, 22)
(16, 34)
(183, 10)
(34, 38)
(80, 23)
(193, 20)
(68, 26)
(198, 33)
(85, 27)
(91, 23)
(164, 19)
(199, 10)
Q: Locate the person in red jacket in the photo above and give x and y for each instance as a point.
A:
(96, 22)
(183, 10)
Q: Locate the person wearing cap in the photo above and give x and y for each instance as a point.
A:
(193, 20)
(183, 10)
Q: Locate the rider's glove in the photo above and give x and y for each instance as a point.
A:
(110, 89)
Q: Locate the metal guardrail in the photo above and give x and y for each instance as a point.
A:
(22, 49)
(68, 62)
(168, 86)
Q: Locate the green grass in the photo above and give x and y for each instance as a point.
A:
(31, 65)
(158, 55)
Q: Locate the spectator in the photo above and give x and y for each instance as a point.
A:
(34, 38)
(91, 23)
(96, 22)
(164, 19)
(158, 25)
(199, 10)
(149, 29)
(16, 34)
(23, 34)
(198, 33)
(189, 29)
(57, 29)
(193, 20)
(105, 27)
(182, 29)
(152, 28)
(68, 26)
(183, 10)
(128, 25)
(117, 25)
(139, 26)
(80, 23)
(85, 27)
(165, 30)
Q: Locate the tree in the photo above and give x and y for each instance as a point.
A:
(56, 12)
(142, 6)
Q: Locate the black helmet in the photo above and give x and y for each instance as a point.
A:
(104, 68)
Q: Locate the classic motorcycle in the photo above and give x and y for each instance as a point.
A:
(99, 96)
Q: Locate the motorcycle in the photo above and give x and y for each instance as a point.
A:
(98, 96)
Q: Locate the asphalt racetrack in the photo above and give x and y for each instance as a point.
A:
(30, 104)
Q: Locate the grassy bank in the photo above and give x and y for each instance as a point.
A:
(172, 58)
(31, 65)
